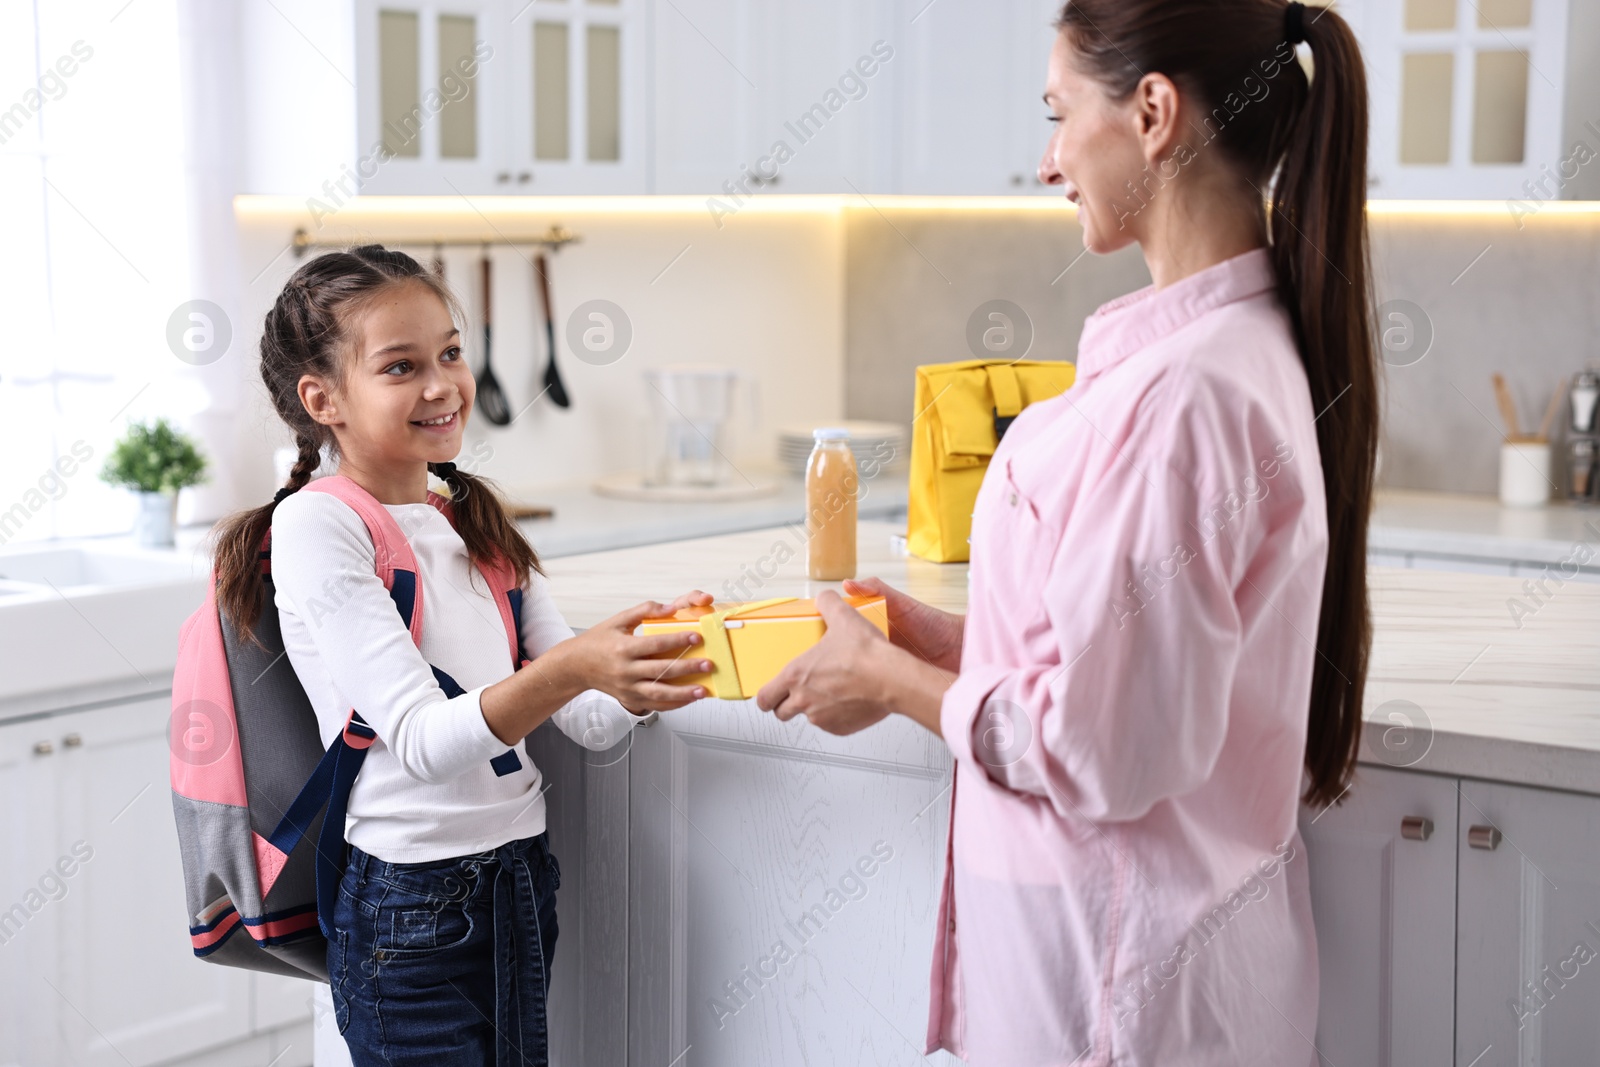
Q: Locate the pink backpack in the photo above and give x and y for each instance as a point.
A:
(260, 806)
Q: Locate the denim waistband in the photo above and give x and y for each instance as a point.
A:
(367, 865)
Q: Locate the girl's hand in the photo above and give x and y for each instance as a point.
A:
(694, 598)
(921, 629)
(612, 659)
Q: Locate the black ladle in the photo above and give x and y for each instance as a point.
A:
(552, 374)
(491, 398)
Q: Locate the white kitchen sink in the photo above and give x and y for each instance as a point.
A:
(91, 618)
(79, 567)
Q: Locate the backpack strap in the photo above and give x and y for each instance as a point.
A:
(508, 599)
(328, 785)
(393, 558)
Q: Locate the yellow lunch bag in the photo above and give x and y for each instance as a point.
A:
(962, 410)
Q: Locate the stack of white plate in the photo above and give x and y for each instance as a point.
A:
(875, 444)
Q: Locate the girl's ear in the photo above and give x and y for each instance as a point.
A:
(1156, 116)
(318, 400)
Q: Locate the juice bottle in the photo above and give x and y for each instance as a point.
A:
(831, 507)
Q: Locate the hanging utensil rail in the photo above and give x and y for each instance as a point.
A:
(553, 238)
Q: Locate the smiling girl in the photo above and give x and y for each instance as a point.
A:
(445, 923)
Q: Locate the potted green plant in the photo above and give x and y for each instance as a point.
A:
(155, 461)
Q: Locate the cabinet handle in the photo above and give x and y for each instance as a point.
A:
(524, 177)
(1484, 837)
(1016, 179)
(72, 740)
(503, 177)
(43, 748)
(650, 719)
(1416, 828)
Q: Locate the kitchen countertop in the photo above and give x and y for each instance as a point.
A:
(1492, 695)
(1479, 527)
(585, 521)
(1466, 526)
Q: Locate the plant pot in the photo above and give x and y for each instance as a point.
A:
(157, 519)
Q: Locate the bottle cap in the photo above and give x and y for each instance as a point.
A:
(830, 433)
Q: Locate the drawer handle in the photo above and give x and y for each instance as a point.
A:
(43, 748)
(73, 740)
(1416, 828)
(1484, 837)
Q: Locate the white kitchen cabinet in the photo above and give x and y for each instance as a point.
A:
(1382, 898)
(826, 74)
(1477, 945)
(95, 962)
(433, 88)
(1471, 98)
(783, 888)
(1528, 926)
(765, 96)
(446, 97)
(703, 95)
(30, 921)
(277, 1000)
(577, 113)
(137, 994)
(973, 73)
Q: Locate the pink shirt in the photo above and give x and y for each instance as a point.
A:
(1125, 880)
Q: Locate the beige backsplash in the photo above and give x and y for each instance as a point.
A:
(1526, 308)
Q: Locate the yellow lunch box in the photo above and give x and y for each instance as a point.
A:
(749, 643)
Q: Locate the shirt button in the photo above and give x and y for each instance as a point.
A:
(1013, 499)
(952, 926)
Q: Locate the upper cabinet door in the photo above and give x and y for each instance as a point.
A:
(972, 119)
(704, 96)
(430, 90)
(1467, 96)
(824, 95)
(577, 79)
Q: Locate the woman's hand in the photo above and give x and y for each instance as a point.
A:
(833, 683)
(613, 660)
(921, 629)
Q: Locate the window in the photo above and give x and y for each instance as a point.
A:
(93, 204)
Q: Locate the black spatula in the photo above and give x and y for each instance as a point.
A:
(491, 398)
(552, 374)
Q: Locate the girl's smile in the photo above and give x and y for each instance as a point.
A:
(440, 425)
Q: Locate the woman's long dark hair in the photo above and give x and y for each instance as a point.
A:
(1307, 144)
(308, 332)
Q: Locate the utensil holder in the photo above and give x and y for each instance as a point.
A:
(1525, 472)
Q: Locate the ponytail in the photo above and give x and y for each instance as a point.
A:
(307, 332)
(1320, 252)
(1307, 141)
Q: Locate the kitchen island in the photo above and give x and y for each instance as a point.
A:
(718, 830)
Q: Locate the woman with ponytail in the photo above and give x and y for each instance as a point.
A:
(1167, 634)
(445, 919)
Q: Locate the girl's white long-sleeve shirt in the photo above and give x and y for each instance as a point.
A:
(426, 790)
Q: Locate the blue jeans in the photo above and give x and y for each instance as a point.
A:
(446, 961)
